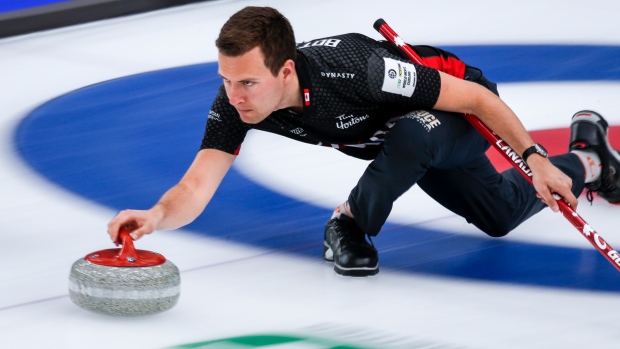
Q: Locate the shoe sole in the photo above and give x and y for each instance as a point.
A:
(358, 272)
(588, 120)
(328, 255)
(599, 130)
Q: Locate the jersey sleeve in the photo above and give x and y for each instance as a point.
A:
(224, 131)
(394, 80)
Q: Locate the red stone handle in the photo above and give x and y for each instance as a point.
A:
(126, 256)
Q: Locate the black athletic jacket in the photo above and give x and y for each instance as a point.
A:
(354, 88)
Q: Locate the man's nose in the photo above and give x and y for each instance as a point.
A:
(235, 95)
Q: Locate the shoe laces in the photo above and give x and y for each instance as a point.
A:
(590, 195)
(350, 234)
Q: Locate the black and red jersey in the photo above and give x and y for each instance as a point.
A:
(353, 87)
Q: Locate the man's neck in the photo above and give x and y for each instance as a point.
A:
(295, 100)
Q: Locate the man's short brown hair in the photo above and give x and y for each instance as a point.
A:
(264, 27)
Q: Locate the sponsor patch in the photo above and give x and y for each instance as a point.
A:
(345, 121)
(299, 131)
(214, 116)
(426, 119)
(399, 78)
(337, 75)
(329, 42)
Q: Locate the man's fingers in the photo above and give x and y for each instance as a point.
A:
(548, 199)
(137, 234)
(570, 199)
(123, 219)
(113, 228)
(567, 197)
(145, 228)
(136, 222)
(573, 202)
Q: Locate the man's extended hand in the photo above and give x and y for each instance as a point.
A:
(137, 223)
(548, 179)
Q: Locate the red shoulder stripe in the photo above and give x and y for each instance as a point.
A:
(449, 65)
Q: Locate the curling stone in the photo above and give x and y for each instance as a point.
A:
(124, 281)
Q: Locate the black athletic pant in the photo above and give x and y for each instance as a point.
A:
(445, 156)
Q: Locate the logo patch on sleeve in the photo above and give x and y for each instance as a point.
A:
(399, 77)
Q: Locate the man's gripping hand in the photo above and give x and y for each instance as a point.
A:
(548, 180)
(137, 223)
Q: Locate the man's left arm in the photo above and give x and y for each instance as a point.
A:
(462, 96)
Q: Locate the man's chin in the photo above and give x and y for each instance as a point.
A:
(250, 117)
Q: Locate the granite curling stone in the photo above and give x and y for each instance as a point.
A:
(124, 281)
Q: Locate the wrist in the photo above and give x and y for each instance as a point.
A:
(535, 151)
(536, 162)
(158, 213)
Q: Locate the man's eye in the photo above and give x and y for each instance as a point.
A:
(248, 83)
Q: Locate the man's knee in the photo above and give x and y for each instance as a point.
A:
(495, 229)
(495, 224)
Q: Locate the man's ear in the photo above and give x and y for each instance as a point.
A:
(288, 68)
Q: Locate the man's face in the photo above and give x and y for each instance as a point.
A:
(250, 86)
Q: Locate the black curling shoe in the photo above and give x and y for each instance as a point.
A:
(589, 132)
(346, 245)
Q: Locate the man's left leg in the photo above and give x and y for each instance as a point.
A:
(418, 141)
(592, 163)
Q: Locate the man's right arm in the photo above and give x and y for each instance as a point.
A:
(181, 204)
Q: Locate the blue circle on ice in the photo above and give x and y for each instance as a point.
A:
(124, 142)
